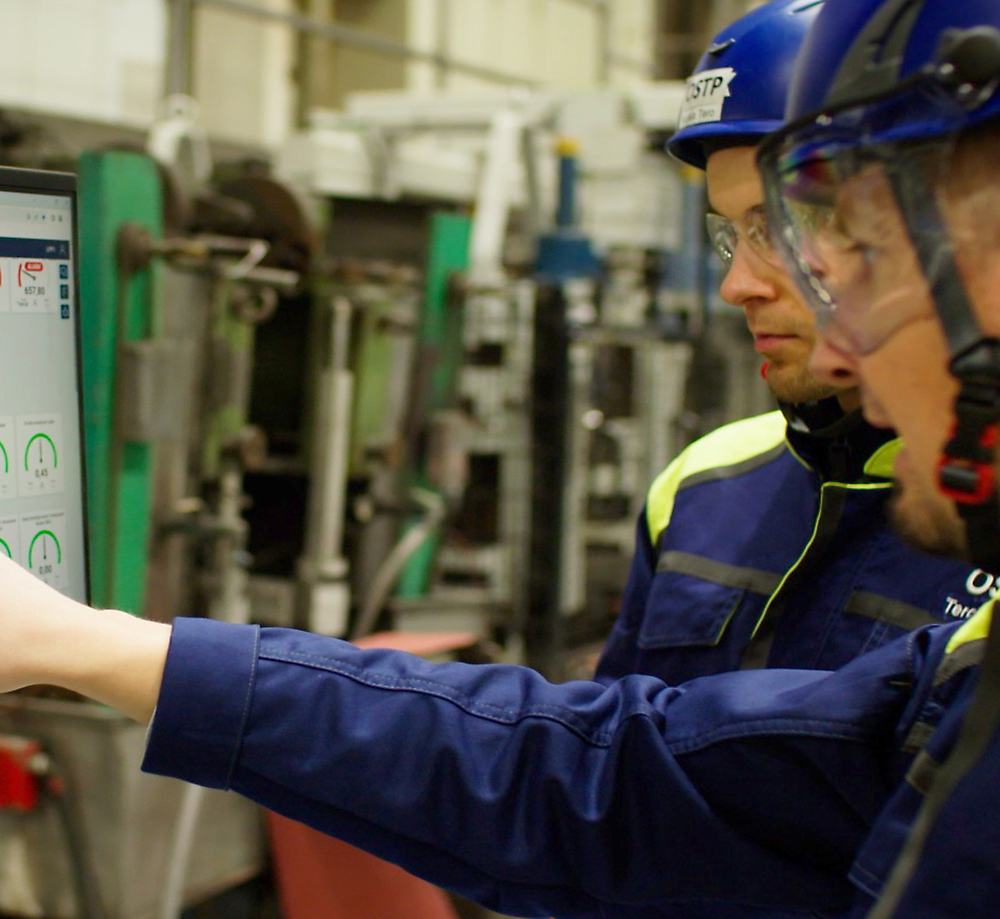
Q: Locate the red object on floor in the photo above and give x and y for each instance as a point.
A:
(319, 877)
(18, 781)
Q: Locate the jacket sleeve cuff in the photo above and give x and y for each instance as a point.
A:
(202, 709)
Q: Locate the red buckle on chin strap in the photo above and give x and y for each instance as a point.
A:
(968, 481)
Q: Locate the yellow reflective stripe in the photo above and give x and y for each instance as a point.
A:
(881, 462)
(973, 629)
(824, 491)
(726, 446)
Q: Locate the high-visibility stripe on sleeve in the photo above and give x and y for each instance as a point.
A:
(973, 629)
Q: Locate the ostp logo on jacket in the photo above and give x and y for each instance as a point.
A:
(706, 94)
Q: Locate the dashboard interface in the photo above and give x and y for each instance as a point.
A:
(42, 509)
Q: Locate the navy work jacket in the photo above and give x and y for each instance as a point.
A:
(758, 548)
(767, 788)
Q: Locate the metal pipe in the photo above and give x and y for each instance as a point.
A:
(311, 62)
(604, 52)
(389, 571)
(493, 202)
(443, 18)
(177, 78)
(347, 36)
(322, 569)
(192, 798)
(328, 508)
(532, 180)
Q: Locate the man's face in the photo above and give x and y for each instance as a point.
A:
(781, 324)
(886, 329)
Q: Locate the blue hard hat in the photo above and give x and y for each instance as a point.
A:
(940, 58)
(893, 84)
(893, 81)
(737, 93)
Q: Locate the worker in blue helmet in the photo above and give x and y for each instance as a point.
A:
(885, 192)
(768, 542)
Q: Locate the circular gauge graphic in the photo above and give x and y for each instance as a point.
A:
(41, 459)
(39, 439)
(32, 291)
(45, 557)
(7, 479)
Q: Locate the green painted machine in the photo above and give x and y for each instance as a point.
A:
(121, 311)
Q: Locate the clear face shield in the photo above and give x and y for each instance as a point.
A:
(852, 198)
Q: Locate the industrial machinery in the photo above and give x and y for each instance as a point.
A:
(377, 386)
(75, 842)
(573, 380)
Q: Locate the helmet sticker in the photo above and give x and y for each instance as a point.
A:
(706, 93)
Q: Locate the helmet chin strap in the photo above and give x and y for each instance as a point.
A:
(966, 467)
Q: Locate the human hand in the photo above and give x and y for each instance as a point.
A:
(32, 617)
(47, 637)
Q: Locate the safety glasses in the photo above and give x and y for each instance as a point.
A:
(752, 226)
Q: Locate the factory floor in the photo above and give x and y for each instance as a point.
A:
(258, 899)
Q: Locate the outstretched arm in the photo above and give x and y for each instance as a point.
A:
(574, 799)
(106, 655)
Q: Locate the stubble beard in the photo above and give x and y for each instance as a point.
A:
(928, 521)
(796, 385)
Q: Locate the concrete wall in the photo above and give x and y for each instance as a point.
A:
(105, 60)
(94, 59)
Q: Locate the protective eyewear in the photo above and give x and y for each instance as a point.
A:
(725, 234)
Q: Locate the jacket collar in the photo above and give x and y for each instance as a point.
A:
(841, 446)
